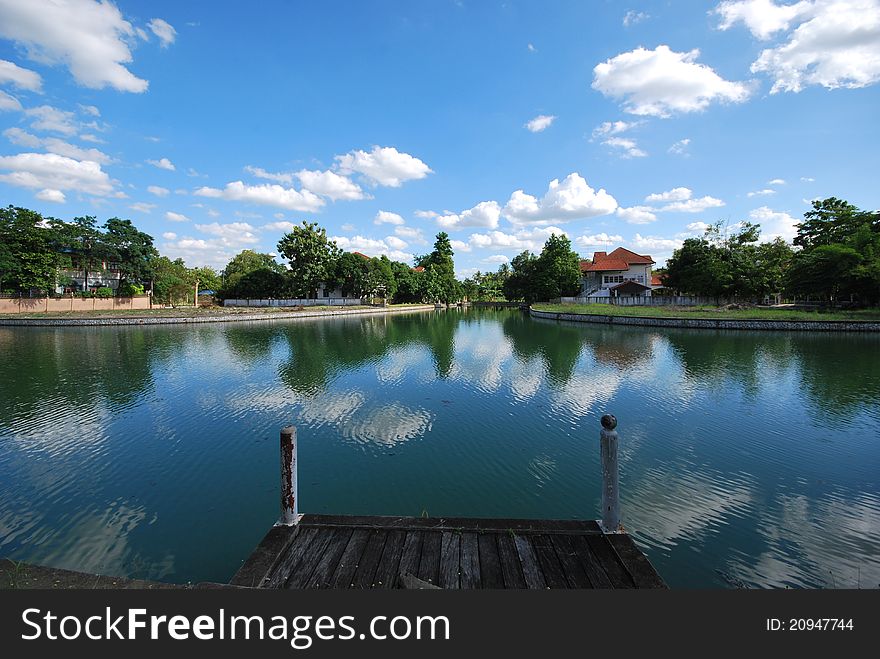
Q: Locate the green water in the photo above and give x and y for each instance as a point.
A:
(747, 458)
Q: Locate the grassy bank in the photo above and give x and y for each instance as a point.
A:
(710, 312)
(180, 312)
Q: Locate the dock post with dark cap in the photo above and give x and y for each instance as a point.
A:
(610, 475)
(289, 502)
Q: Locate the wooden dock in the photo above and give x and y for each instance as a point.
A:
(324, 551)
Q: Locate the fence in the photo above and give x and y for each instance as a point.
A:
(305, 302)
(643, 300)
(66, 304)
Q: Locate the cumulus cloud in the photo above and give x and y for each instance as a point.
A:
(836, 42)
(281, 225)
(761, 193)
(774, 224)
(662, 82)
(625, 146)
(90, 38)
(55, 196)
(647, 244)
(158, 190)
(266, 195)
(54, 145)
(162, 163)
(698, 227)
(571, 199)
(598, 240)
(171, 216)
(278, 177)
(90, 110)
(680, 148)
(637, 214)
(384, 166)
(496, 259)
(427, 215)
(54, 172)
(485, 214)
(372, 247)
(331, 185)
(142, 207)
(162, 29)
(412, 234)
(396, 243)
(233, 232)
(8, 103)
(540, 123)
(682, 200)
(609, 128)
(50, 119)
(676, 194)
(632, 17)
(169, 235)
(11, 73)
(776, 181)
(386, 217)
(530, 239)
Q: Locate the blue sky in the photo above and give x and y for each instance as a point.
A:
(214, 126)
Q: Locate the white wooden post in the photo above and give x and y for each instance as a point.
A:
(610, 475)
(289, 511)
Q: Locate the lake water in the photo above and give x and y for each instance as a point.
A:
(747, 458)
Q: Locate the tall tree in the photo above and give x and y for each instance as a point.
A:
(242, 264)
(311, 256)
(439, 264)
(557, 271)
(132, 249)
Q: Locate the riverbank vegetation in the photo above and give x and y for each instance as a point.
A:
(713, 312)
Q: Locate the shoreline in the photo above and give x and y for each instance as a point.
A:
(715, 323)
(215, 318)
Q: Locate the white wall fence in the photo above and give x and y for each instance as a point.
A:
(643, 300)
(305, 302)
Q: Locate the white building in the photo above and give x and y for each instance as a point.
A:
(620, 273)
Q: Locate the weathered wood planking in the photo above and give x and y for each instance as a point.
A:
(336, 551)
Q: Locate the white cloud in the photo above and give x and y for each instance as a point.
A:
(55, 196)
(531, 239)
(676, 194)
(647, 244)
(331, 185)
(837, 46)
(532, 48)
(661, 82)
(87, 137)
(267, 195)
(54, 145)
(699, 227)
(52, 119)
(632, 17)
(383, 166)
(427, 215)
(412, 234)
(598, 240)
(90, 110)
(496, 259)
(348, 227)
(171, 216)
(386, 217)
(162, 29)
(371, 247)
(54, 172)
(636, 214)
(169, 235)
(485, 214)
(281, 225)
(608, 128)
(234, 233)
(626, 146)
(572, 199)
(162, 163)
(680, 148)
(9, 103)
(158, 190)
(763, 17)
(540, 123)
(396, 243)
(776, 181)
(774, 223)
(21, 78)
(460, 246)
(142, 207)
(259, 172)
(90, 38)
(761, 193)
(682, 201)
(808, 179)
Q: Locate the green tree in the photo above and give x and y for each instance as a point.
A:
(518, 286)
(32, 255)
(557, 270)
(442, 285)
(242, 264)
(826, 271)
(173, 282)
(410, 283)
(350, 273)
(132, 249)
(311, 256)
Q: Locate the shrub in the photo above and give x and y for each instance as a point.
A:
(104, 291)
(129, 290)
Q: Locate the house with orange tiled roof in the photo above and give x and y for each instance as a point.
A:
(620, 273)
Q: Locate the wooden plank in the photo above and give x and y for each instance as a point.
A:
(323, 572)
(589, 563)
(609, 561)
(470, 561)
(409, 582)
(257, 568)
(450, 543)
(454, 523)
(491, 575)
(412, 551)
(429, 562)
(531, 568)
(300, 576)
(571, 565)
(386, 573)
(365, 574)
(347, 565)
(511, 569)
(285, 566)
(550, 565)
(636, 563)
